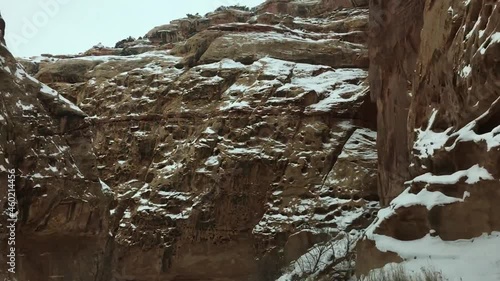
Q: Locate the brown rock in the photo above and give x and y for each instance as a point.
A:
(337, 41)
(250, 47)
(215, 163)
(182, 29)
(450, 43)
(61, 203)
(393, 50)
(202, 203)
(68, 71)
(369, 257)
(307, 8)
(298, 243)
(348, 174)
(196, 46)
(407, 224)
(452, 119)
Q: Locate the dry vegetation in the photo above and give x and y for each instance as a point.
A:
(398, 273)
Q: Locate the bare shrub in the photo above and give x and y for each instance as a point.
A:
(234, 7)
(335, 256)
(398, 273)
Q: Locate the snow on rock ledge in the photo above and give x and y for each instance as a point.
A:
(219, 158)
(448, 208)
(60, 201)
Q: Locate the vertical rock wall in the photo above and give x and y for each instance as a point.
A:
(58, 200)
(447, 159)
(394, 39)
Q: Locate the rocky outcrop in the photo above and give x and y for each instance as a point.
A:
(449, 167)
(193, 178)
(217, 159)
(251, 46)
(181, 29)
(393, 49)
(59, 204)
(281, 11)
(2, 30)
(463, 110)
(307, 8)
(337, 40)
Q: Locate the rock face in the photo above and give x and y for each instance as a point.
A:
(449, 169)
(393, 49)
(182, 29)
(464, 111)
(307, 8)
(193, 177)
(57, 197)
(337, 40)
(227, 146)
(251, 46)
(216, 159)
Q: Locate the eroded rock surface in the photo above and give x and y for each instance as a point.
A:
(307, 8)
(393, 49)
(216, 158)
(219, 163)
(452, 187)
(195, 154)
(59, 198)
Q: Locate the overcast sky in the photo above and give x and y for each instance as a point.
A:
(34, 27)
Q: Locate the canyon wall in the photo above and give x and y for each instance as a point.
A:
(61, 211)
(442, 84)
(393, 49)
(218, 147)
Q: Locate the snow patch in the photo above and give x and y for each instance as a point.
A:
(426, 198)
(429, 141)
(467, 133)
(235, 106)
(212, 161)
(474, 174)
(104, 187)
(461, 260)
(465, 72)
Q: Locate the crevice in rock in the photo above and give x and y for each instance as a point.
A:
(490, 122)
(55, 202)
(336, 153)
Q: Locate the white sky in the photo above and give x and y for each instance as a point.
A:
(34, 27)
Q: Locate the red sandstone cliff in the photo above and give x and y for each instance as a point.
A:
(229, 143)
(233, 146)
(436, 82)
